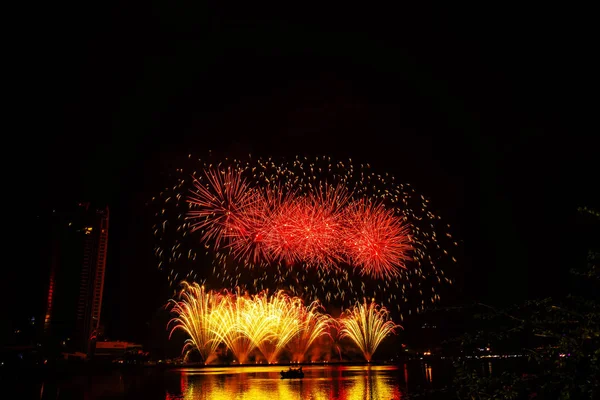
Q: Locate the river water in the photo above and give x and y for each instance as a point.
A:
(337, 382)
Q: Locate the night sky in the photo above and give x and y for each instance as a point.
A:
(476, 108)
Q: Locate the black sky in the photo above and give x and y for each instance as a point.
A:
(477, 108)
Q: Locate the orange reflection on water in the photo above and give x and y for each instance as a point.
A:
(428, 372)
(259, 383)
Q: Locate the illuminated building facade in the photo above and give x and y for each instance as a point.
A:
(76, 279)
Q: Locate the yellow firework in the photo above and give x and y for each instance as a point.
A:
(253, 321)
(193, 310)
(271, 323)
(229, 325)
(367, 325)
(278, 314)
(243, 323)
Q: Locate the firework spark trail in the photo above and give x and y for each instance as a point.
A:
(367, 325)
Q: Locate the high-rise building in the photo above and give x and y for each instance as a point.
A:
(76, 279)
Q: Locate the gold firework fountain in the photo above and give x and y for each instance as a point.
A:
(194, 316)
(230, 326)
(270, 323)
(279, 313)
(367, 325)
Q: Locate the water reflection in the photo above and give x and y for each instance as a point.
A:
(253, 383)
(245, 383)
(428, 372)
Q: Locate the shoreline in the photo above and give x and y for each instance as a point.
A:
(304, 364)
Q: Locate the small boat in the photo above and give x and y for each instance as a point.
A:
(292, 373)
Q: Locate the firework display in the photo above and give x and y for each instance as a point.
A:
(322, 227)
(271, 324)
(367, 324)
(317, 228)
(260, 225)
(243, 323)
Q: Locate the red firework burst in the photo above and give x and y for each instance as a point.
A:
(315, 227)
(280, 236)
(323, 227)
(251, 242)
(375, 239)
(217, 208)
